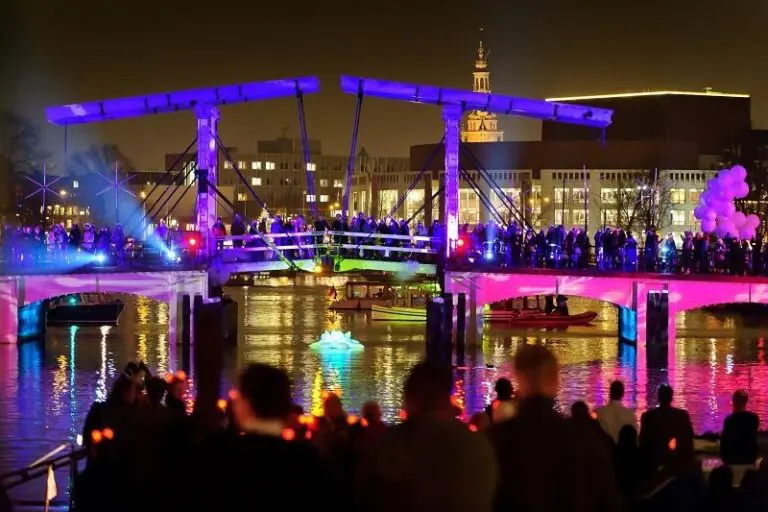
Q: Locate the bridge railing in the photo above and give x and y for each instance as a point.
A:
(322, 243)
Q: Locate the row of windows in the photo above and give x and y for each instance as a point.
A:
(257, 182)
(257, 165)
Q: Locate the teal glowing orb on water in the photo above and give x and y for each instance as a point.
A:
(337, 341)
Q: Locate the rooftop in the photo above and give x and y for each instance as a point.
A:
(707, 92)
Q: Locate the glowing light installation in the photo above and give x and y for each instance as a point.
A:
(337, 341)
(203, 102)
(454, 103)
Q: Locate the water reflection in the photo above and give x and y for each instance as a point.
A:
(46, 389)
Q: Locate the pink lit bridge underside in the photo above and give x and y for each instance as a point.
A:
(18, 291)
(629, 292)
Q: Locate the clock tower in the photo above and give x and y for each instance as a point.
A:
(482, 126)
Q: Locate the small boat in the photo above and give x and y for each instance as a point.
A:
(84, 309)
(361, 296)
(398, 314)
(538, 320)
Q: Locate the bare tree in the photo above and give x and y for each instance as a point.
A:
(99, 158)
(641, 200)
(20, 153)
(95, 169)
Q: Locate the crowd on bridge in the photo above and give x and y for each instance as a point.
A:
(258, 450)
(488, 244)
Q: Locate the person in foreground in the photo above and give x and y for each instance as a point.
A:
(546, 461)
(264, 465)
(432, 461)
(738, 443)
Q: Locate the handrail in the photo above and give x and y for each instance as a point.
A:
(21, 476)
(350, 234)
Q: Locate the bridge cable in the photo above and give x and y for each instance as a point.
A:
(157, 184)
(483, 198)
(160, 209)
(506, 201)
(186, 189)
(310, 174)
(248, 187)
(267, 241)
(352, 152)
(413, 184)
(426, 203)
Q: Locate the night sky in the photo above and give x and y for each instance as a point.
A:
(77, 50)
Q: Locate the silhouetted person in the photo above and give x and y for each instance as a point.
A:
(738, 443)
(582, 417)
(546, 462)
(431, 461)
(503, 407)
(266, 468)
(659, 427)
(614, 416)
(368, 432)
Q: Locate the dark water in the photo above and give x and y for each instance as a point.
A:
(45, 391)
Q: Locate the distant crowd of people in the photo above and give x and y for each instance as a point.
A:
(264, 453)
(610, 249)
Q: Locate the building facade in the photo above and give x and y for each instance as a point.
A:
(275, 173)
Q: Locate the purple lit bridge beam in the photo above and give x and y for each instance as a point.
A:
(205, 103)
(454, 103)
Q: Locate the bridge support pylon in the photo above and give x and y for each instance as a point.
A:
(452, 121)
(207, 160)
(9, 310)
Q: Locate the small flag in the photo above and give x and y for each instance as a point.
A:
(50, 487)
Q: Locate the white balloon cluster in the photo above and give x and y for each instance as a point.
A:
(716, 210)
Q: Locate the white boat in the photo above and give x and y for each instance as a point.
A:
(398, 314)
(361, 296)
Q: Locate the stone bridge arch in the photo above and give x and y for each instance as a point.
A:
(17, 292)
(485, 288)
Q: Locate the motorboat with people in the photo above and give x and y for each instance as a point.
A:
(381, 296)
(84, 309)
(554, 313)
(520, 313)
(408, 305)
(361, 296)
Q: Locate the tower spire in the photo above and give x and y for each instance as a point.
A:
(482, 126)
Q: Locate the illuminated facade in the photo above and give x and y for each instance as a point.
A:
(482, 126)
(279, 179)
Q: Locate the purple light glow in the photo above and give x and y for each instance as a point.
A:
(162, 103)
(468, 100)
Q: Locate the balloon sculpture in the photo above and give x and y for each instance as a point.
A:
(717, 211)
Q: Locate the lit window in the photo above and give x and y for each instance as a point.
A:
(677, 195)
(338, 184)
(323, 183)
(82, 212)
(311, 166)
(323, 199)
(311, 198)
(693, 195)
(189, 227)
(227, 164)
(678, 217)
(608, 195)
(242, 197)
(255, 182)
(270, 166)
(241, 164)
(75, 184)
(255, 166)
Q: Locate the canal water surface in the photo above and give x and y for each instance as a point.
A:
(46, 390)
